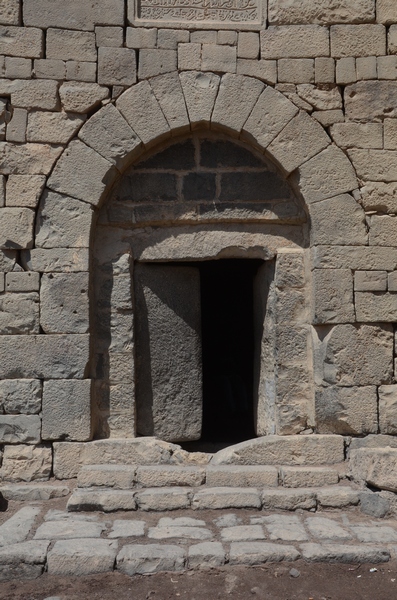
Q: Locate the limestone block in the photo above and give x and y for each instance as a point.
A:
(16, 128)
(324, 98)
(77, 15)
(206, 554)
(285, 450)
(64, 303)
(390, 134)
(65, 529)
(20, 429)
(366, 67)
(7, 260)
(53, 127)
(24, 281)
(111, 476)
(16, 529)
(226, 497)
(70, 45)
(26, 463)
(283, 12)
(43, 356)
(111, 37)
(376, 306)
(9, 12)
(301, 139)
(32, 492)
(246, 476)
(35, 93)
(392, 281)
(346, 71)
(175, 531)
(49, 69)
(295, 70)
(371, 100)
(219, 58)
(63, 221)
(169, 38)
(359, 355)
(67, 410)
(81, 97)
(81, 71)
(21, 41)
(24, 190)
(358, 40)
(370, 281)
(328, 174)
(103, 500)
(257, 553)
(20, 396)
(81, 557)
(200, 91)
(357, 135)
(18, 68)
(168, 91)
(387, 67)
(347, 410)
(19, 313)
(16, 227)
(82, 173)
(266, 70)
(386, 11)
(154, 62)
(162, 499)
(290, 270)
(296, 41)
(356, 258)
(236, 98)
(138, 559)
(238, 533)
(296, 477)
(2, 190)
(167, 475)
(286, 499)
(109, 134)
(189, 57)
(269, 116)
(333, 296)
(203, 37)
(23, 561)
(324, 70)
(375, 466)
(27, 159)
(343, 553)
(140, 37)
(248, 44)
(140, 108)
(382, 230)
(116, 66)
(338, 221)
(375, 165)
(392, 39)
(388, 409)
(56, 260)
(380, 197)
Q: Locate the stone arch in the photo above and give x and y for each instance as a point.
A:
(173, 104)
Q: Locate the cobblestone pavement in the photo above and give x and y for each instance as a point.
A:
(35, 539)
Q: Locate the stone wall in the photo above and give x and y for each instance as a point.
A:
(87, 88)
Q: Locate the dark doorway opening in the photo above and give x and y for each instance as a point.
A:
(227, 326)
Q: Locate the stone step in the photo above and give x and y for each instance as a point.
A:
(173, 498)
(30, 492)
(126, 477)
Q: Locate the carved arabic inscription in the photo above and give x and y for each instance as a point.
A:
(189, 11)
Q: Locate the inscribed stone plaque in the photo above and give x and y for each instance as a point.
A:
(198, 14)
(168, 352)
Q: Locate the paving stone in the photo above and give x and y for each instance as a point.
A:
(372, 504)
(167, 498)
(120, 477)
(192, 533)
(289, 499)
(378, 534)
(294, 477)
(326, 529)
(168, 476)
(68, 529)
(206, 554)
(23, 561)
(230, 520)
(334, 553)
(33, 492)
(123, 528)
(106, 500)
(224, 497)
(247, 476)
(337, 497)
(240, 533)
(81, 557)
(180, 522)
(285, 528)
(17, 528)
(150, 558)
(59, 515)
(256, 553)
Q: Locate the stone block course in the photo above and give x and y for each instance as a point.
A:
(370, 281)
(10, 12)
(357, 40)
(219, 58)
(189, 57)
(366, 67)
(50, 69)
(333, 296)
(18, 68)
(140, 37)
(266, 70)
(20, 429)
(77, 16)
(81, 71)
(386, 11)
(140, 560)
(298, 70)
(170, 38)
(26, 42)
(65, 44)
(248, 45)
(296, 41)
(332, 221)
(387, 409)
(81, 557)
(281, 12)
(64, 303)
(376, 306)
(20, 396)
(80, 97)
(346, 71)
(347, 410)
(116, 66)
(26, 463)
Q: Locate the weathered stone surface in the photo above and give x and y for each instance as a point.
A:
(166, 498)
(123, 528)
(373, 344)
(288, 499)
(265, 70)
(285, 450)
(104, 500)
(23, 561)
(356, 258)
(68, 529)
(67, 410)
(347, 410)
(24, 190)
(344, 553)
(372, 307)
(16, 229)
(376, 466)
(206, 554)
(338, 221)
(137, 559)
(109, 134)
(168, 91)
(374, 165)
(154, 62)
(200, 91)
(296, 41)
(52, 128)
(20, 396)
(382, 231)
(56, 260)
(282, 12)
(32, 159)
(241, 533)
(235, 100)
(64, 303)
(333, 296)
(17, 429)
(387, 409)
(357, 135)
(22, 281)
(41, 93)
(218, 58)
(33, 492)
(9, 12)
(357, 40)
(26, 463)
(77, 16)
(80, 97)
(372, 504)
(192, 533)
(370, 281)
(256, 553)
(158, 476)
(173, 351)
(325, 99)
(247, 476)
(371, 100)
(296, 477)
(337, 497)
(120, 477)
(17, 528)
(19, 313)
(285, 528)
(81, 557)
(226, 497)
(43, 356)
(21, 41)
(375, 534)
(327, 529)
(116, 66)
(66, 44)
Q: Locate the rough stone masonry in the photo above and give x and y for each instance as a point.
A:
(135, 137)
